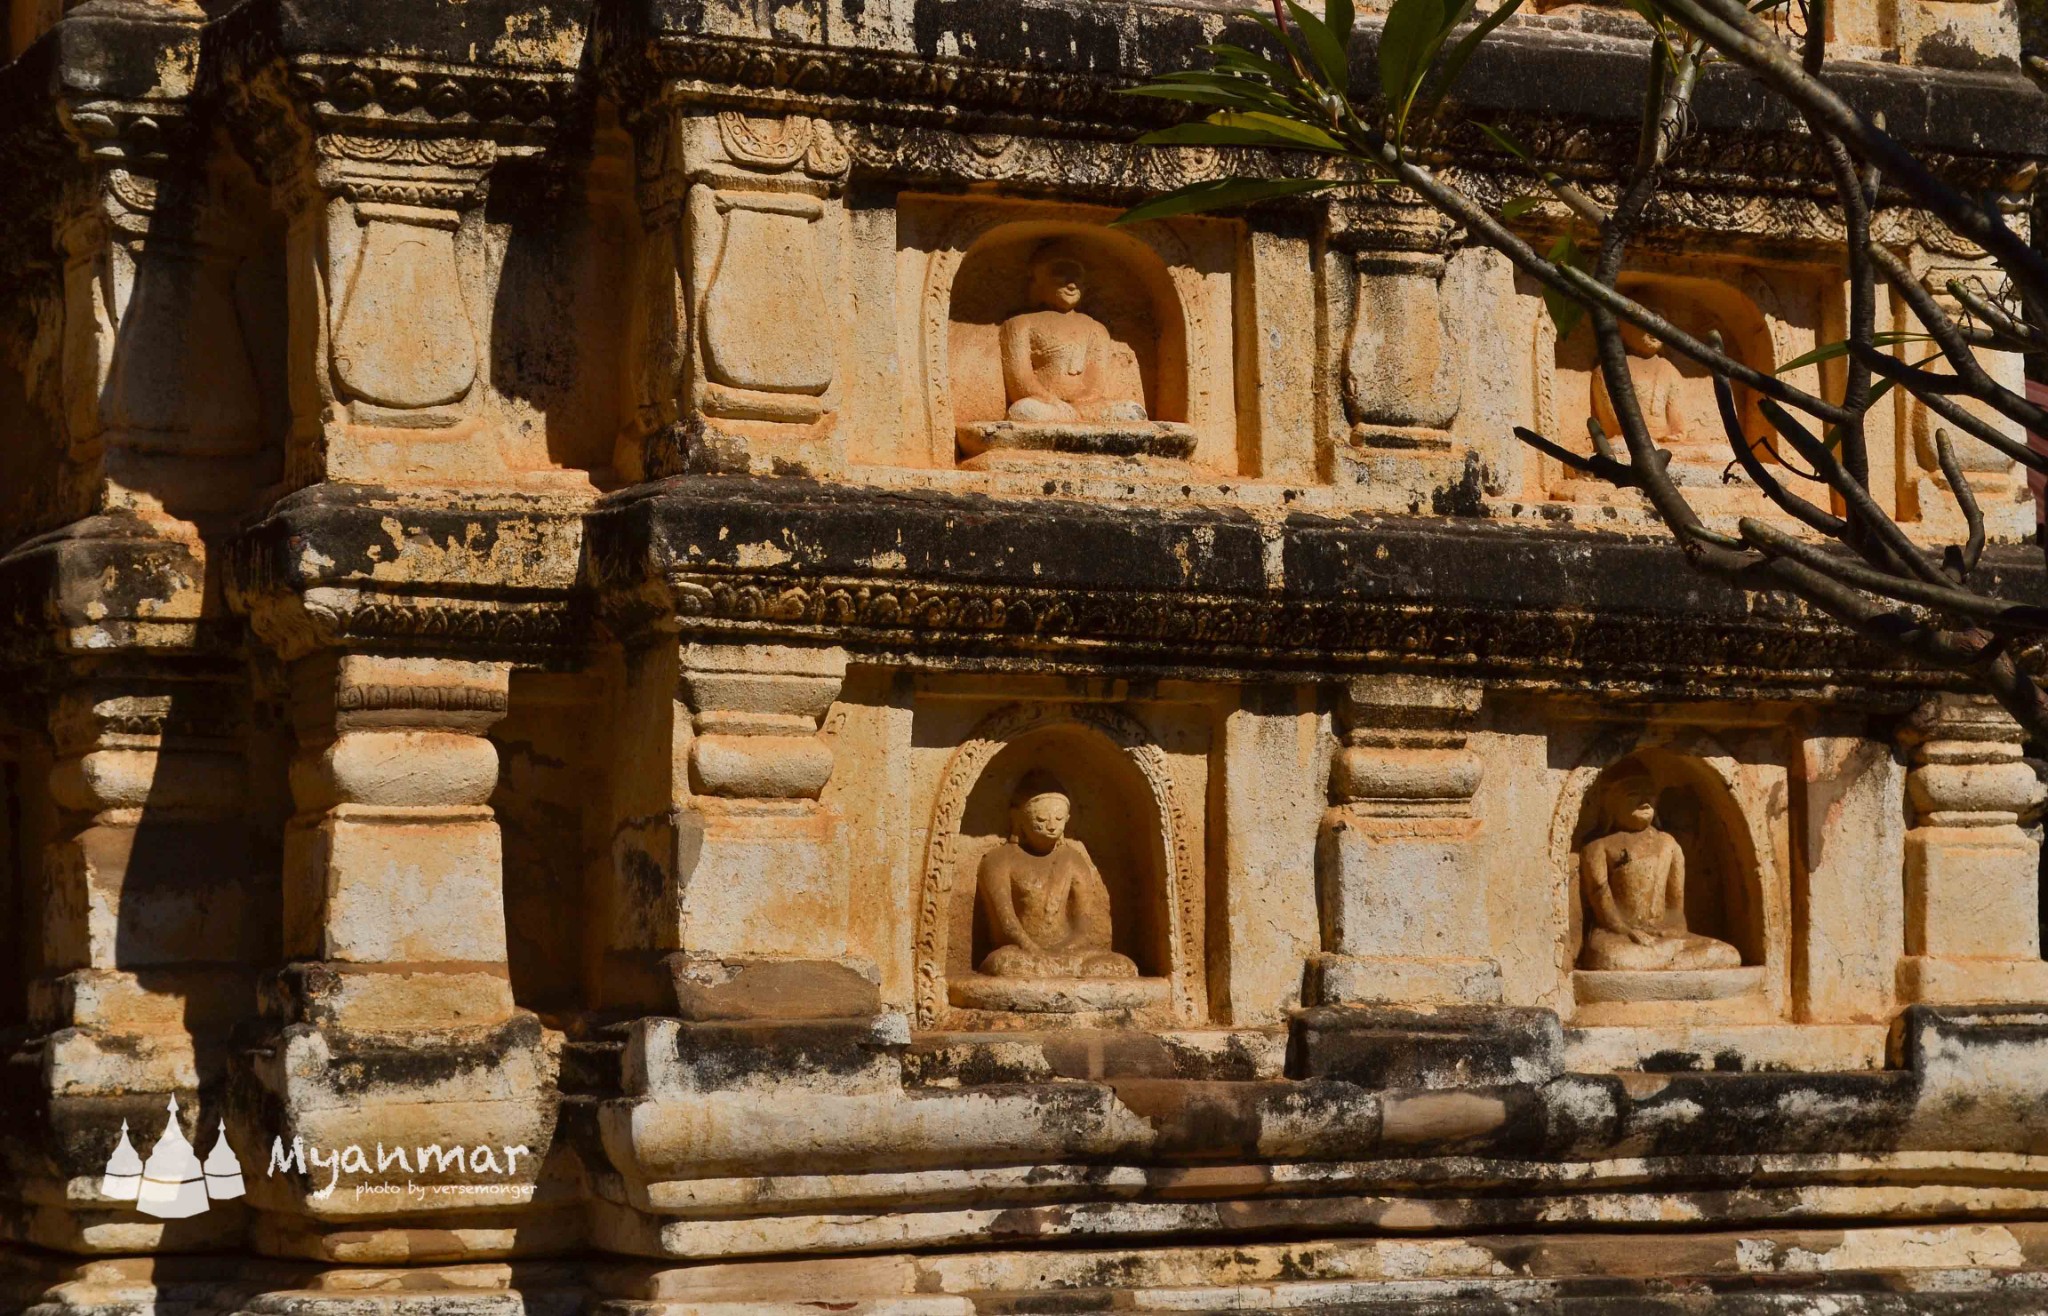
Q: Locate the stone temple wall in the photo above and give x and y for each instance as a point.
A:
(604, 683)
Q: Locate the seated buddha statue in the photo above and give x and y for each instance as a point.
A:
(1633, 879)
(1046, 906)
(1058, 359)
(1677, 410)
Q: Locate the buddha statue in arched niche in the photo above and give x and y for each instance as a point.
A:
(1632, 879)
(1059, 362)
(1046, 905)
(1677, 409)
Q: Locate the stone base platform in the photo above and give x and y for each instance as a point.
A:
(1124, 438)
(1059, 996)
(1985, 1270)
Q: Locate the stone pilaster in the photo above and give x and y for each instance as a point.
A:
(762, 920)
(161, 411)
(753, 911)
(1973, 855)
(743, 216)
(392, 864)
(1403, 382)
(380, 167)
(150, 930)
(395, 936)
(1398, 861)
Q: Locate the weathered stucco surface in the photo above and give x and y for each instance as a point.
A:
(547, 556)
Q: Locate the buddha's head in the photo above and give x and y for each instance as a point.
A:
(1640, 341)
(1629, 799)
(1059, 279)
(1039, 809)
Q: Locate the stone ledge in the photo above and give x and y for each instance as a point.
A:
(1620, 986)
(1059, 996)
(1215, 589)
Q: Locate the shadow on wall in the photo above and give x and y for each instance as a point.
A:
(558, 326)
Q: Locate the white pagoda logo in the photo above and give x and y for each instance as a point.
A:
(172, 1184)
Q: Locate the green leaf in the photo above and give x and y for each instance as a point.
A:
(1565, 311)
(1835, 350)
(1231, 91)
(1169, 92)
(1324, 46)
(1516, 207)
(1299, 130)
(1413, 30)
(1287, 45)
(1221, 194)
(1648, 12)
(1341, 17)
(1460, 53)
(1230, 56)
(1232, 134)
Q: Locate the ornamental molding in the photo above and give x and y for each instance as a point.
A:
(384, 94)
(953, 621)
(389, 113)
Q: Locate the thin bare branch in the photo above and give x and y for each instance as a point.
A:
(1958, 352)
(1583, 287)
(1864, 512)
(1737, 33)
(2006, 332)
(1792, 504)
(1966, 499)
(1944, 598)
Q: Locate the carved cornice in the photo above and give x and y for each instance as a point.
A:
(774, 77)
(1759, 206)
(102, 587)
(319, 574)
(1586, 649)
(1080, 586)
(389, 97)
(288, 103)
(1054, 119)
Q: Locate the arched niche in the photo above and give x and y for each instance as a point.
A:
(1718, 810)
(1130, 290)
(1676, 394)
(1125, 812)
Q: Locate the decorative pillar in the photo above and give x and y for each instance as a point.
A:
(381, 172)
(1973, 856)
(150, 929)
(395, 936)
(754, 901)
(1403, 379)
(1398, 860)
(744, 215)
(161, 403)
(1997, 481)
(392, 864)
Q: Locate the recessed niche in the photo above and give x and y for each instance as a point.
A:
(1068, 339)
(1761, 319)
(1668, 911)
(1123, 341)
(1060, 887)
